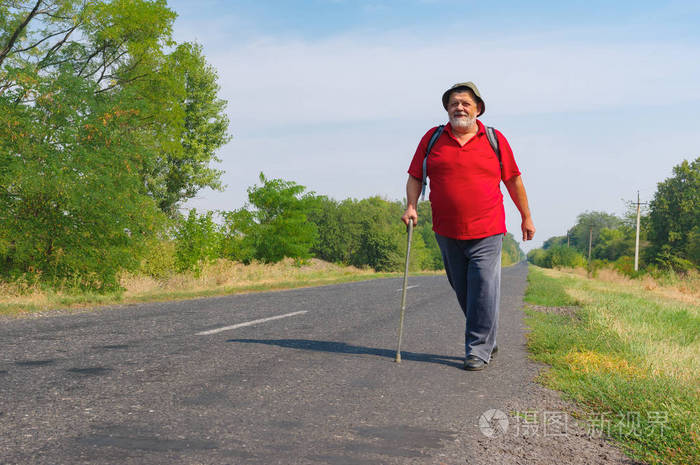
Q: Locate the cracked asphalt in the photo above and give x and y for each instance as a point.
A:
(138, 385)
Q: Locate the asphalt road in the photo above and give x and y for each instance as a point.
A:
(143, 385)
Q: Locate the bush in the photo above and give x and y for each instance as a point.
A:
(625, 266)
(197, 239)
(511, 250)
(159, 261)
(273, 225)
(668, 259)
(557, 256)
(562, 256)
(536, 257)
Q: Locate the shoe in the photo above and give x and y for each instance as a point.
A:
(493, 351)
(474, 363)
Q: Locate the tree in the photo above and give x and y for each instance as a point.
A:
(72, 203)
(554, 241)
(425, 228)
(674, 218)
(274, 224)
(511, 250)
(335, 233)
(588, 221)
(368, 232)
(99, 126)
(197, 240)
(614, 243)
(183, 168)
(556, 256)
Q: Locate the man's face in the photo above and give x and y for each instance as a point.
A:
(462, 109)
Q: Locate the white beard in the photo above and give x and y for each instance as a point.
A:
(462, 122)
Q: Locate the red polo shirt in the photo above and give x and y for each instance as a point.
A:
(465, 192)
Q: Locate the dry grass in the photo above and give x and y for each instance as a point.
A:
(635, 308)
(682, 288)
(22, 294)
(218, 278)
(225, 274)
(635, 348)
(593, 362)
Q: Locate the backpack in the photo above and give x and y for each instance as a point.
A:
(490, 135)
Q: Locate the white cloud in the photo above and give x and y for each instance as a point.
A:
(343, 115)
(352, 78)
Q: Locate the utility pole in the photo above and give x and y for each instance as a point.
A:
(636, 241)
(590, 243)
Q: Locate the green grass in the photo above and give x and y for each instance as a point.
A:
(543, 290)
(631, 359)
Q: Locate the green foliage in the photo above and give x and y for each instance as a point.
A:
(625, 265)
(614, 243)
(536, 257)
(557, 256)
(359, 233)
(612, 239)
(554, 241)
(693, 249)
(425, 229)
(674, 219)
(668, 259)
(159, 259)
(101, 129)
(274, 225)
(587, 221)
(378, 235)
(197, 240)
(235, 244)
(511, 251)
(368, 233)
(672, 227)
(183, 166)
(71, 199)
(334, 242)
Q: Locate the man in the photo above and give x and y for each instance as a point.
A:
(468, 215)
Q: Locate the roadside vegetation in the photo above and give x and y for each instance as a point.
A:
(627, 351)
(108, 126)
(221, 277)
(284, 237)
(669, 233)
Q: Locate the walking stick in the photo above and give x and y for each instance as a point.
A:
(403, 293)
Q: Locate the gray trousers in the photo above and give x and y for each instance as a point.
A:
(474, 270)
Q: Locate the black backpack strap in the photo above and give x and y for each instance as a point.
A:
(493, 140)
(436, 135)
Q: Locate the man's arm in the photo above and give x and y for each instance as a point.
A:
(413, 189)
(516, 189)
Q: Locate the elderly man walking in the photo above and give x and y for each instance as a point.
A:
(468, 216)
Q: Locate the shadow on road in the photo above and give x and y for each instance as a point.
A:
(343, 348)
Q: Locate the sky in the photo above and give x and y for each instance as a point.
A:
(598, 99)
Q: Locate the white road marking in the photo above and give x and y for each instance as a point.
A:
(249, 323)
(408, 287)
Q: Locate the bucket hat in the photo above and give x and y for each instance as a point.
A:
(464, 86)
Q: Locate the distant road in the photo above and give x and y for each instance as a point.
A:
(293, 377)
